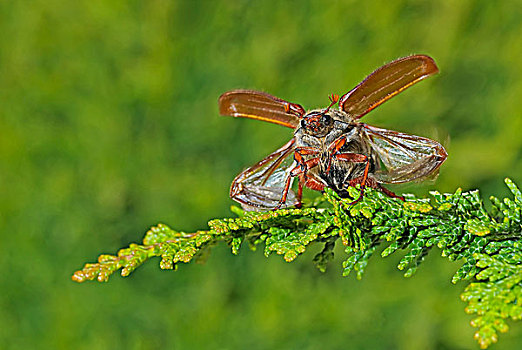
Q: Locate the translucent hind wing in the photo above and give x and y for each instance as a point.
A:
(261, 187)
(405, 157)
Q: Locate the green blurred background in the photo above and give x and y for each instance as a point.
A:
(109, 124)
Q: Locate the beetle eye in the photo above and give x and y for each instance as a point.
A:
(326, 119)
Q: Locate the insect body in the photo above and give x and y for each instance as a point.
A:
(330, 147)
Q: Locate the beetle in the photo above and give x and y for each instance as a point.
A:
(330, 147)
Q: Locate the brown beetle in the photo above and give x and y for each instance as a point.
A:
(330, 147)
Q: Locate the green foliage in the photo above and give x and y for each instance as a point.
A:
(488, 243)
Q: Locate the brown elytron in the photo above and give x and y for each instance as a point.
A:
(330, 147)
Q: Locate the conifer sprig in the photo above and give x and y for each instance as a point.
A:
(488, 243)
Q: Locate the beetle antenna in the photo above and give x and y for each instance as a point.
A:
(334, 98)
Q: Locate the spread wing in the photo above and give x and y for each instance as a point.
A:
(405, 157)
(261, 106)
(385, 83)
(261, 186)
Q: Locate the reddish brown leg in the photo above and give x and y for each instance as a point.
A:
(363, 182)
(374, 184)
(300, 191)
(355, 158)
(389, 193)
(309, 181)
(305, 151)
(352, 157)
(334, 150)
(313, 184)
(300, 170)
(287, 186)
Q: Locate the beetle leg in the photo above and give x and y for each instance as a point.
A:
(389, 193)
(334, 149)
(300, 170)
(352, 157)
(370, 182)
(364, 179)
(356, 158)
(312, 183)
(296, 171)
(300, 191)
(306, 151)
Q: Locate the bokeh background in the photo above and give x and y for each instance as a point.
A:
(109, 124)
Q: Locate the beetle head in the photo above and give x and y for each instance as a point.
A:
(319, 123)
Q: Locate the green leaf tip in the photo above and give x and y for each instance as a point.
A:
(487, 242)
